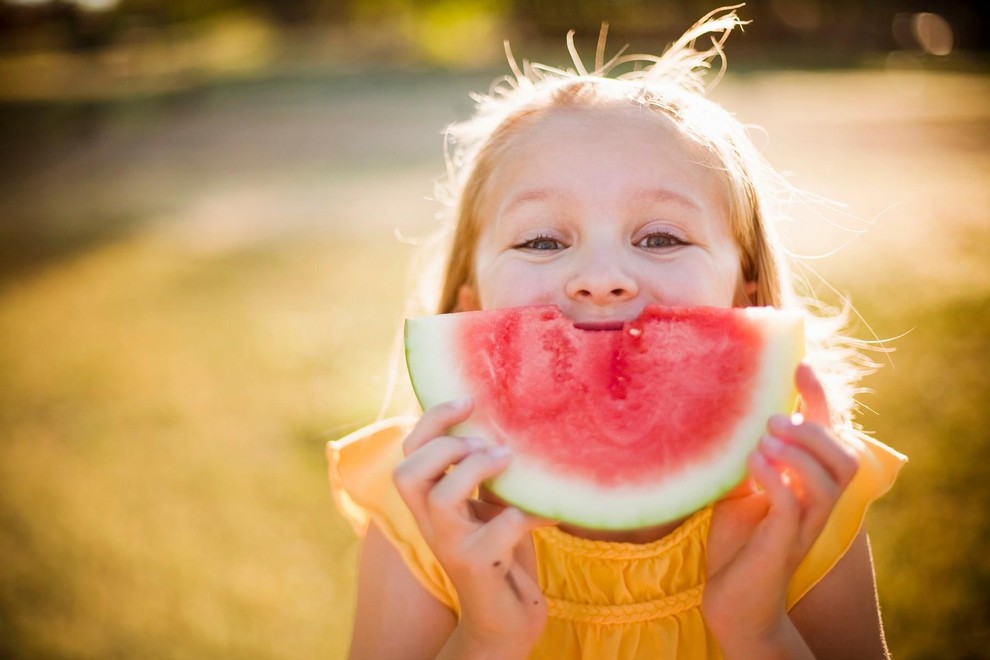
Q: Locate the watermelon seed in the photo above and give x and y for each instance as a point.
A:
(635, 332)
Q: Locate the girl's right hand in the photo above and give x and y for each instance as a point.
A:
(758, 540)
(482, 547)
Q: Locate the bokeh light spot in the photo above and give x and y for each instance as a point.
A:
(923, 32)
(934, 34)
(798, 14)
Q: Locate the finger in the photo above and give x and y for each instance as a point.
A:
(797, 463)
(436, 421)
(813, 488)
(839, 460)
(776, 532)
(508, 528)
(788, 531)
(768, 474)
(744, 488)
(451, 494)
(486, 510)
(814, 403)
(415, 475)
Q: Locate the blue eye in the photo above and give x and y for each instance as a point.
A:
(541, 244)
(660, 240)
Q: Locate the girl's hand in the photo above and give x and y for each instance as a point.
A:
(479, 544)
(758, 539)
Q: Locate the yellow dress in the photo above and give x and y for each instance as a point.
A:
(605, 599)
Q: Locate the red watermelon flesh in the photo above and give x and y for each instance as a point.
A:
(630, 425)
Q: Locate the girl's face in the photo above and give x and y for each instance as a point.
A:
(602, 212)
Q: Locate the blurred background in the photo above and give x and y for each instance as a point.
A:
(208, 212)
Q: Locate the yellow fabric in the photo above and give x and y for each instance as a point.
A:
(605, 599)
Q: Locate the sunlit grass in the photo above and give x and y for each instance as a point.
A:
(930, 532)
(164, 417)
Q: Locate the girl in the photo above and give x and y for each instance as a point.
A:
(601, 196)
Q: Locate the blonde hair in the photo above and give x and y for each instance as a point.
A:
(672, 86)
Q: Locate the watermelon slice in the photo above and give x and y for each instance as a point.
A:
(612, 427)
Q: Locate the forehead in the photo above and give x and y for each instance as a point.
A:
(610, 146)
(615, 118)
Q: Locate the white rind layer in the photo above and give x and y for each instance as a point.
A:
(431, 358)
(536, 488)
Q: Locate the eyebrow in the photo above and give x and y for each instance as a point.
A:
(667, 195)
(531, 195)
(648, 194)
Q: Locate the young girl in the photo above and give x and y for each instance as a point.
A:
(602, 195)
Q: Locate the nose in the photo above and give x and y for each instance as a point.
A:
(601, 280)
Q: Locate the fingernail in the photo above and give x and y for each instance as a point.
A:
(461, 403)
(760, 459)
(772, 444)
(797, 419)
(779, 423)
(498, 451)
(474, 444)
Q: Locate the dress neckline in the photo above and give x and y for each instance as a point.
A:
(624, 550)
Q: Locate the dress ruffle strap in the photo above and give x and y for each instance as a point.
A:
(610, 615)
(878, 468)
(361, 466)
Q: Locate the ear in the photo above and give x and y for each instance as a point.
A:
(745, 294)
(467, 299)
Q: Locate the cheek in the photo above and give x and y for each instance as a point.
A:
(514, 285)
(727, 280)
(508, 288)
(484, 275)
(709, 281)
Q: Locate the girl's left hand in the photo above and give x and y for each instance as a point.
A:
(759, 538)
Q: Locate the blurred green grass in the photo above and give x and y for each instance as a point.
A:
(162, 464)
(167, 385)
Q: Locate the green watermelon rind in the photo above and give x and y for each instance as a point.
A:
(540, 489)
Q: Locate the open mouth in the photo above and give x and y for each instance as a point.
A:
(599, 325)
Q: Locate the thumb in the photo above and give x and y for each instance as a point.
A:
(814, 403)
